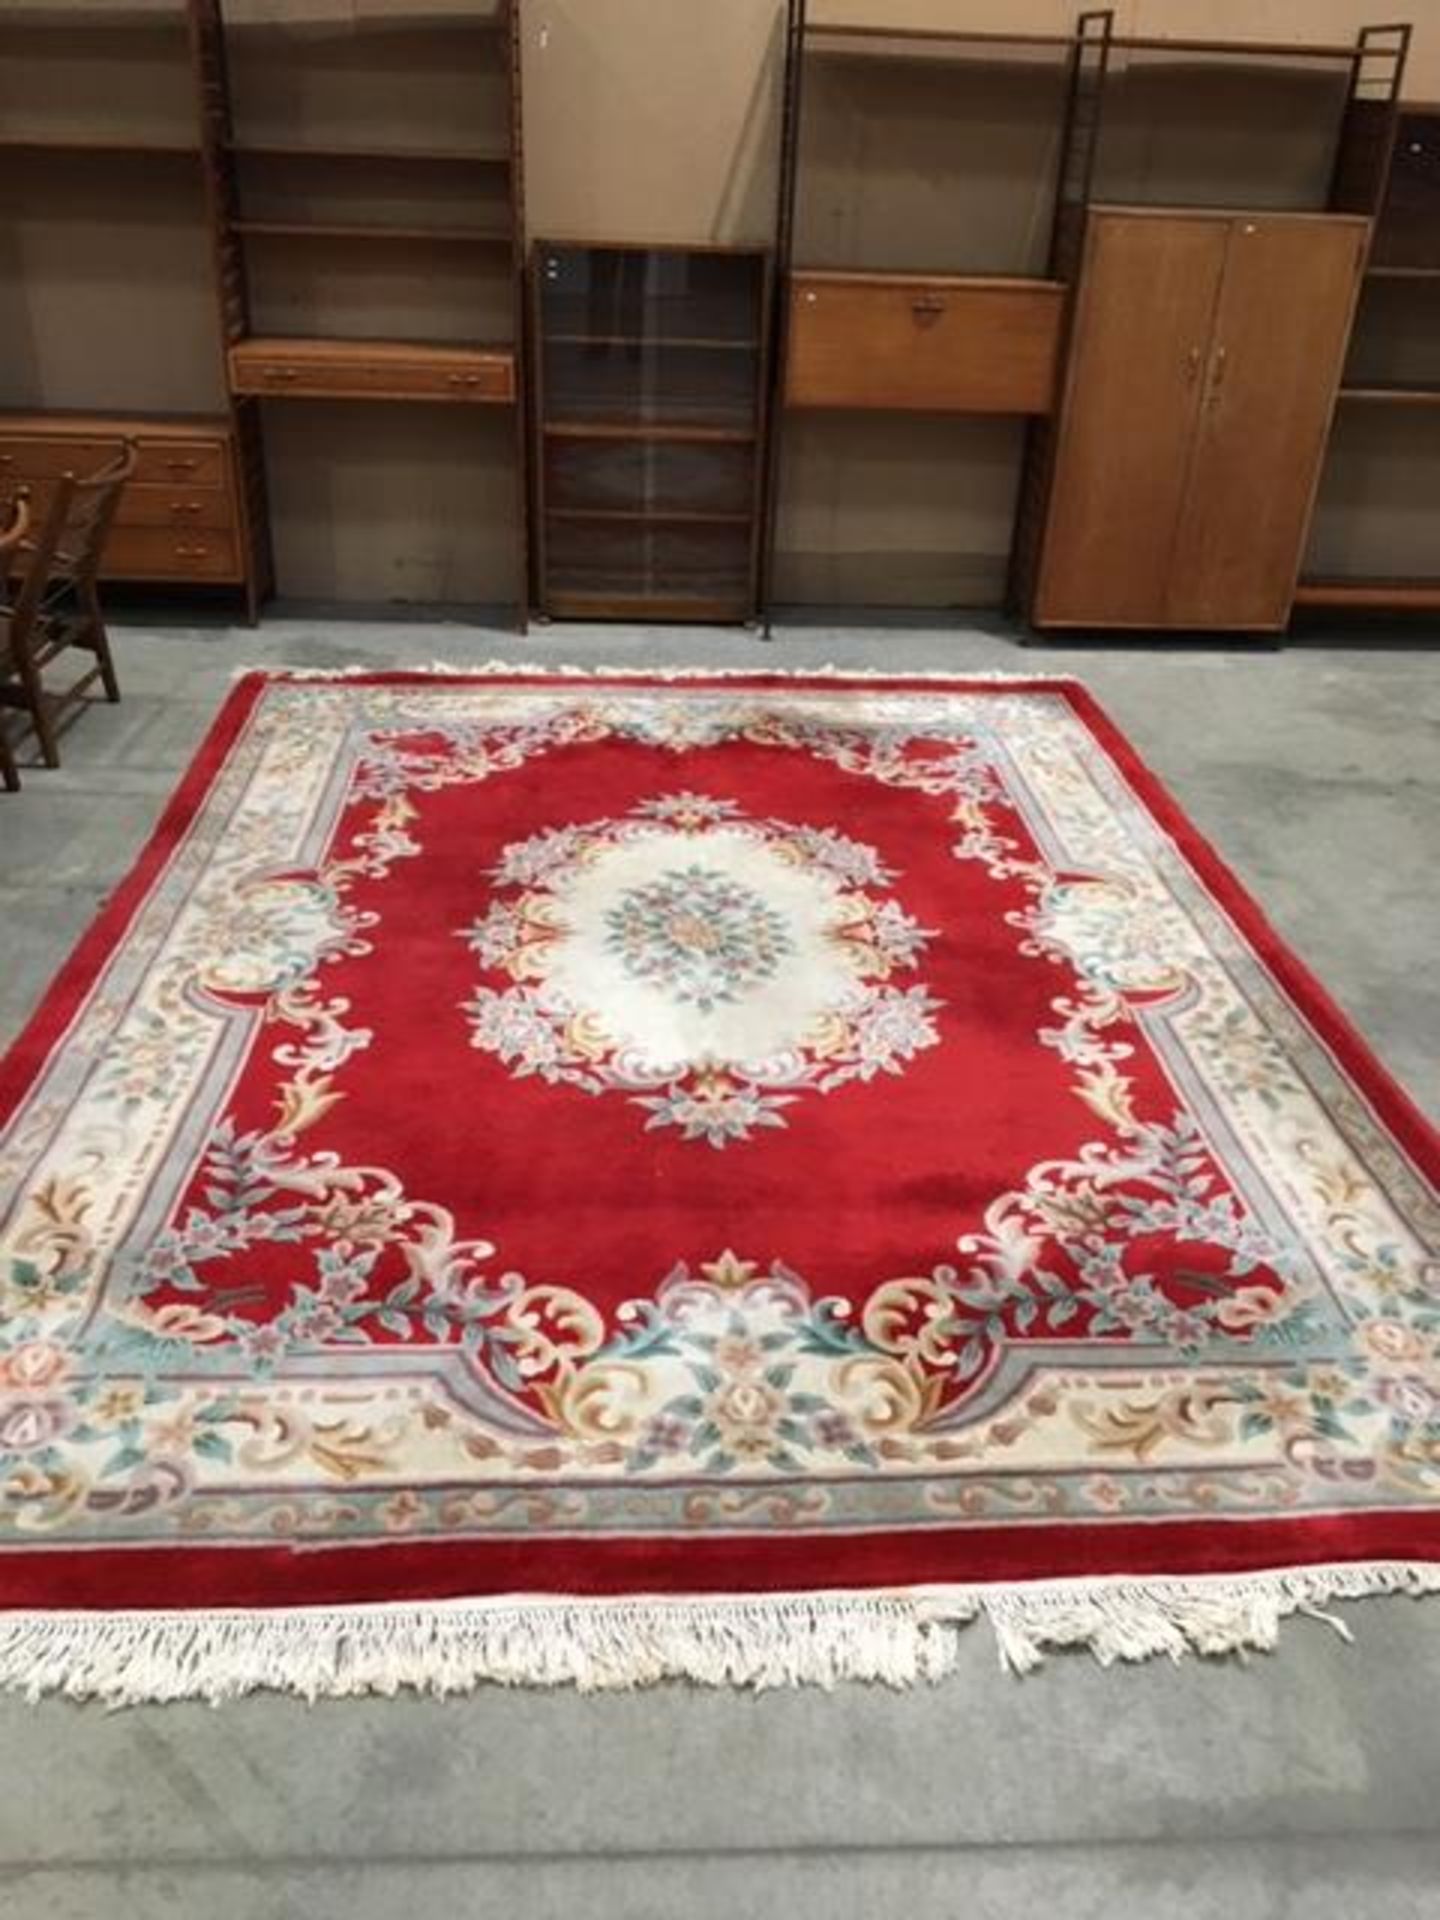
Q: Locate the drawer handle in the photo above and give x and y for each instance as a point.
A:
(463, 379)
(182, 466)
(927, 307)
(280, 373)
(182, 552)
(185, 509)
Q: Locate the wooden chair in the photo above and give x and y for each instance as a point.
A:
(56, 605)
(10, 537)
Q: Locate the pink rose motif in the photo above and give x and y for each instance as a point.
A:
(34, 1365)
(1392, 1340)
(1250, 1307)
(28, 1424)
(180, 1321)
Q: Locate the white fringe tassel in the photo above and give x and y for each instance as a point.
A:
(900, 1637)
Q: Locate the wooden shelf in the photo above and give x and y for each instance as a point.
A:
(1239, 49)
(324, 230)
(98, 144)
(407, 156)
(574, 603)
(76, 420)
(641, 430)
(904, 276)
(1394, 396)
(647, 516)
(650, 340)
(1371, 596)
(1121, 42)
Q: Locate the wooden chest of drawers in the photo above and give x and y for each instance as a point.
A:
(933, 345)
(372, 370)
(178, 520)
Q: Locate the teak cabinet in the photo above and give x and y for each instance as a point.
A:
(946, 343)
(650, 378)
(1204, 364)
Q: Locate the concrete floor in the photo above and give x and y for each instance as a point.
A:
(1303, 1782)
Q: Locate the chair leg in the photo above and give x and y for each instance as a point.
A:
(38, 703)
(9, 772)
(100, 645)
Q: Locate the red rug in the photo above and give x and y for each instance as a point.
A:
(558, 1178)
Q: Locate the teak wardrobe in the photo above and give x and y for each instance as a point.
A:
(1204, 361)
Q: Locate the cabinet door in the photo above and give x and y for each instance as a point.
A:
(1281, 328)
(1142, 330)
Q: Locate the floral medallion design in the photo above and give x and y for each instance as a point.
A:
(710, 967)
(700, 936)
(282, 1262)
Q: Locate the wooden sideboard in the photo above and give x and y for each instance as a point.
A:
(181, 520)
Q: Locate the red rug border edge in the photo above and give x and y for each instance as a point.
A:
(1205, 1547)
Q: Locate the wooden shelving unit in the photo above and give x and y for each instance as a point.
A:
(958, 328)
(951, 335)
(1392, 396)
(326, 225)
(100, 161)
(1394, 372)
(328, 212)
(1370, 596)
(650, 412)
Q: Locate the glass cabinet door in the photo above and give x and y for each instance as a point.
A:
(650, 383)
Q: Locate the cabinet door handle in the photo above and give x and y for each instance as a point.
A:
(1192, 366)
(1217, 376)
(927, 307)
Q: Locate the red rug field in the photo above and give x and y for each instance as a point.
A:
(590, 1178)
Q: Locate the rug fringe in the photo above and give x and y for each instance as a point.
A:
(749, 1640)
(561, 670)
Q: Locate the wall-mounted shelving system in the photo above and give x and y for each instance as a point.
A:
(104, 305)
(284, 249)
(1173, 487)
(970, 330)
(366, 190)
(356, 185)
(1380, 491)
(907, 335)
